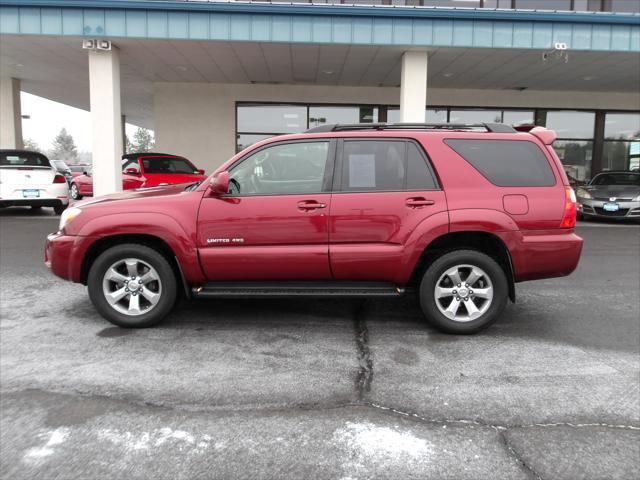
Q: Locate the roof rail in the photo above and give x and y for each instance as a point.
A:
(345, 127)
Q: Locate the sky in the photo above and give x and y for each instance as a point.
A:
(47, 118)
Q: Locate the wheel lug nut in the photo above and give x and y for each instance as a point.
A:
(455, 292)
(126, 289)
(133, 278)
(139, 281)
(459, 285)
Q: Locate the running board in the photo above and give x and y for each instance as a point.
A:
(297, 289)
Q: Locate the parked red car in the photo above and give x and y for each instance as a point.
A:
(141, 170)
(455, 214)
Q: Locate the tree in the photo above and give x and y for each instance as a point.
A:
(143, 141)
(30, 144)
(63, 147)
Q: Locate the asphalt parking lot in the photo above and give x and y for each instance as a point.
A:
(321, 389)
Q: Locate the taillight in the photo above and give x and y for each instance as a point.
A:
(59, 179)
(569, 217)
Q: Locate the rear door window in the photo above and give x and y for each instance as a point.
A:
(506, 163)
(384, 165)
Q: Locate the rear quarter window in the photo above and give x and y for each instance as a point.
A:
(506, 163)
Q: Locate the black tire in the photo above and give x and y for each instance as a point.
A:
(36, 207)
(148, 255)
(438, 268)
(74, 193)
(58, 209)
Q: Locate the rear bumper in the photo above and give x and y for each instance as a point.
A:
(542, 254)
(34, 202)
(64, 254)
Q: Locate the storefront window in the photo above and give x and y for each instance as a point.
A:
(621, 141)
(627, 6)
(432, 115)
(571, 124)
(576, 156)
(574, 146)
(518, 117)
(243, 140)
(326, 115)
(544, 5)
(475, 116)
(272, 118)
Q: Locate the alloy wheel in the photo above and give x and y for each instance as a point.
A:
(463, 293)
(132, 287)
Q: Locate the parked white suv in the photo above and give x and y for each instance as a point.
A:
(28, 179)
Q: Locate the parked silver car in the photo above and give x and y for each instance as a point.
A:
(610, 195)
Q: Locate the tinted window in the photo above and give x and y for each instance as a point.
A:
(373, 165)
(506, 163)
(281, 169)
(378, 165)
(23, 159)
(167, 165)
(418, 174)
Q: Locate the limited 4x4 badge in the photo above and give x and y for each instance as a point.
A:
(225, 240)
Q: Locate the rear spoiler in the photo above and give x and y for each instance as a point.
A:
(545, 135)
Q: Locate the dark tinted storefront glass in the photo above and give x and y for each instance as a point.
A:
(452, 3)
(497, 4)
(272, 118)
(621, 155)
(571, 124)
(576, 156)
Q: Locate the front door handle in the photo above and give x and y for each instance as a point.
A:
(310, 205)
(418, 202)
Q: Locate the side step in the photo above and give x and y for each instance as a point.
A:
(297, 289)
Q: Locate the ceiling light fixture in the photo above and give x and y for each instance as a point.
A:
(328, 72)
(449, 74)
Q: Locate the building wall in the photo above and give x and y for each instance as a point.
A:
(198, 119)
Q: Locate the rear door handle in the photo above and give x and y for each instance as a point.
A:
(310, 205)
(417, 202)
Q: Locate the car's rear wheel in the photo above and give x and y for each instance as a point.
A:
(463, 292)
(132, 286)
(74, 192)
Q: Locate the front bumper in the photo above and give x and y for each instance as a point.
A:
(64, 254)
(589, 207)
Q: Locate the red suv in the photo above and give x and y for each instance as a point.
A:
(456, 214)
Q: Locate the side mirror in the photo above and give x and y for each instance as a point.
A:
(200, 171)
(131, 171)
(220, 183)
(87, 173)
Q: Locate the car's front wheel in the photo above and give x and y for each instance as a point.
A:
(463, 292)
(74, 192)
(132, 285)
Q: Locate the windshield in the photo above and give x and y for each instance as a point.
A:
(168, 165)
(23, 159)
(632, 179)
(78, 168)
(60, 165)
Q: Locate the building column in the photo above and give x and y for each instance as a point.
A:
(413, 87)
(106, 120)
(10, 114)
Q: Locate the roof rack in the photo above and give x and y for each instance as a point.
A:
(345, 127)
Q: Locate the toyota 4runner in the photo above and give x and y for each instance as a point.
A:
(456, 214)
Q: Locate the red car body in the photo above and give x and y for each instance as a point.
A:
(142, 177)
(351, 236)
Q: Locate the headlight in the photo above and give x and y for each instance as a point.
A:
(636, 199)
(582, 193)
(67, 217)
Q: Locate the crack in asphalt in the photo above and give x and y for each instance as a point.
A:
(364, 375)
(511, 451)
